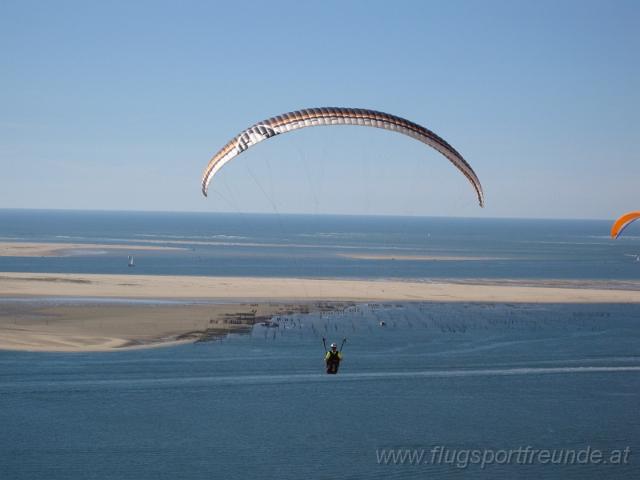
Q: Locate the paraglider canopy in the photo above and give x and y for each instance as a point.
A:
(623, 222)
(335, 116)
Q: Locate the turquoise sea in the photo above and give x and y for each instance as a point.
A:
(496, 379)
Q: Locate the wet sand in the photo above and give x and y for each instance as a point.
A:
(80, 327)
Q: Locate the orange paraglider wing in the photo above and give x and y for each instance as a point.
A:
(623, 222)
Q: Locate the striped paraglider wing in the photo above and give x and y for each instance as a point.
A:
(328, 116)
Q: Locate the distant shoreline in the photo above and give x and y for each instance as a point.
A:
(37, 249)
(417, 258)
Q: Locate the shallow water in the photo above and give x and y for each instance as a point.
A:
(258, 406)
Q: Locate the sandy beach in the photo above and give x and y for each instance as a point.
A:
(73, 312)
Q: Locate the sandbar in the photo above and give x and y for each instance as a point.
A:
(414, 258)
(306, 289)
(26, 249)
(91, 312)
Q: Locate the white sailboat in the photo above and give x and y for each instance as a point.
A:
(131, 263)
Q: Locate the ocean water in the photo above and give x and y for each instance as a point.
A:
(459, 377)
(449, 378)
(325, 246)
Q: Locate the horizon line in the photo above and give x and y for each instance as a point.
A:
(373, 215)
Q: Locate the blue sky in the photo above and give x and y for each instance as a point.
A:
(120, 105)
